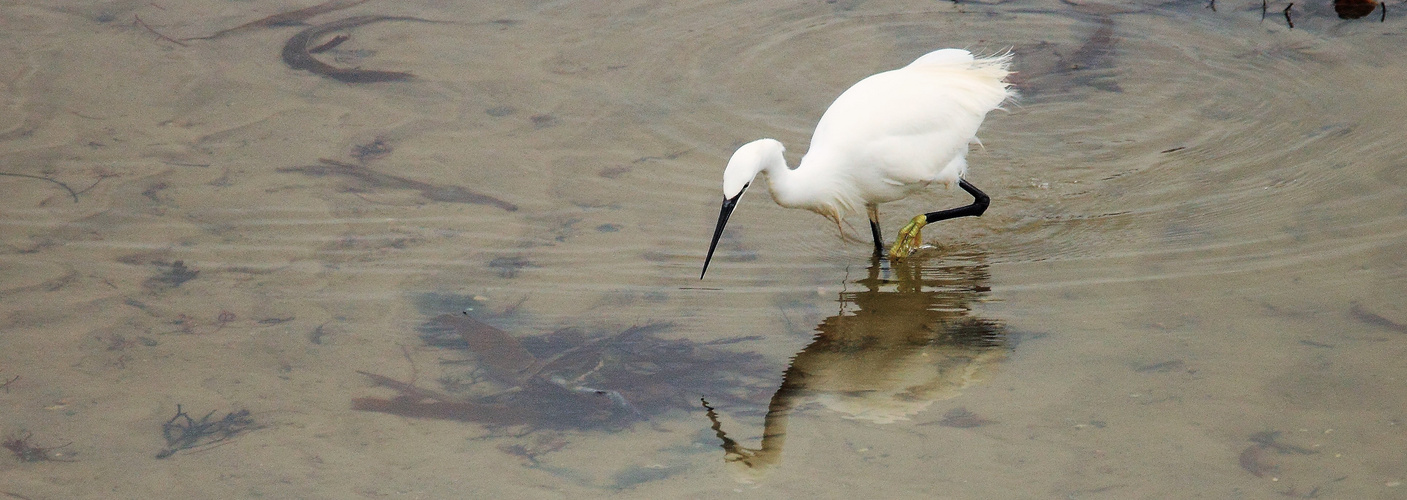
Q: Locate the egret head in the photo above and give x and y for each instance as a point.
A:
(745, 164)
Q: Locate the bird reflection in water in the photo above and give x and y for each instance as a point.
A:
(908, 338)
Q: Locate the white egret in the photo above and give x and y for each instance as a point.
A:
(888, 136)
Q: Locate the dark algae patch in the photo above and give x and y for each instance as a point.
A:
(183, 432)
(292, 17)
(1371, 318)
(172, 275)
(566, 379)
(26, 451)
(371, 179)
(298, 51)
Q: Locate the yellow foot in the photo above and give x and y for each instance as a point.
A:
(910, 237)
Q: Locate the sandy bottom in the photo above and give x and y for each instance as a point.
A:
(1189, 284)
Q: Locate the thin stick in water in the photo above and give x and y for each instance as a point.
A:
(158, 34)
(70, 190)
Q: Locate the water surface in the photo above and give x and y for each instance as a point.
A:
(1188, 284)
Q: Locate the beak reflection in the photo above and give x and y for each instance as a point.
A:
(904, 341)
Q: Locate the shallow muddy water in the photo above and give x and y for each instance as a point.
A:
(1189, 283)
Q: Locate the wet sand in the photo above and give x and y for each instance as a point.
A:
(1193, 249)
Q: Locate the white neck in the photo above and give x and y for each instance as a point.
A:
(814, 185)
(803, 188)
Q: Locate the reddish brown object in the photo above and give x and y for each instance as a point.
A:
(27, 451)
(1354, 9)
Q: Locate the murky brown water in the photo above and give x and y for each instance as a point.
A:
(1189, 283)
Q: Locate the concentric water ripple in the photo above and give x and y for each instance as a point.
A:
(1135, 141)
(1145, 134)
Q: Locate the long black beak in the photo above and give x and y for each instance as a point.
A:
(728, 205)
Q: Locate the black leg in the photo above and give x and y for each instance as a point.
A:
(979, 205)
(878, 240)
(873, 211)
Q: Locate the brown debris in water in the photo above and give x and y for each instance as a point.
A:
(26, 451)
(137, 20)
(289, 18)
(66, 187)
(369, 179)
(1256, 460)
(535, 446)
(298, 55)
(174, 275)
(330, 44)
(1259, 457)
(1059, 70)
(1346, 9)
(183, 432)
(543, 121)
(1359, 313)
(1355, 9)
(374, 150)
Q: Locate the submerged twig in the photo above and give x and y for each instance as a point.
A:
(90, 187)
(153, 31)
(27, 451)
(70, 190)
(183, 432)
(1289, 21)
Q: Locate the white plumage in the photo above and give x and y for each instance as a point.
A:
(888, 136)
